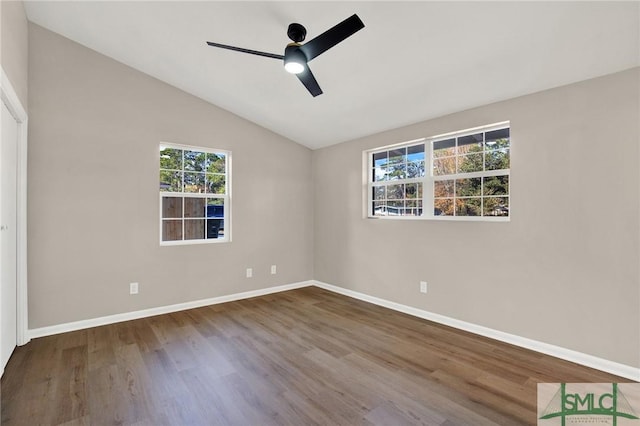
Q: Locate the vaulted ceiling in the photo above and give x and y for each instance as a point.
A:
(412, 61)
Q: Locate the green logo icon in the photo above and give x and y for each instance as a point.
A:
(566, 404)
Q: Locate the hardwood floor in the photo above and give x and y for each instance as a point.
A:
(301, 357)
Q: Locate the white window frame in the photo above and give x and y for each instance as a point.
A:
(428, 180)
(226, 197)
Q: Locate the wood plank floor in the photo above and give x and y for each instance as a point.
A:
(301, 357)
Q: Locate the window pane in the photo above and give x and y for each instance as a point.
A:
(444, 166)
(415, 153)
(397, 155)
(413, 208)
(379, 174)
(444, 148)
(470, 163)
(215, 163)
(215, 213)
(171, 207)
(170, 158)
(379, 208)
(443, 188)
(496, 185)
(468, 187)
(194, 207)
(195, 161)
(397, 171)
(413, 190)
(415, 169)
(170, 181)
(497, 144)
(497, 139)
(468, 207)
(171, 230)
(443, 207)
(470, 143)
(194, 182)
(194, 229)
(380, 159)
(215, 184)
(378, 192)
(497, 159)
(496, 206)
(395, 192)
(395, 208)
(215, 207)
(214, 228)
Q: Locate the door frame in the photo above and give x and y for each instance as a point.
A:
(10, 98)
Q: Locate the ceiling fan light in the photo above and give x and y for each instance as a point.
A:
(294, 67)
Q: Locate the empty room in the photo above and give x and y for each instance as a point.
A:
(320, 213)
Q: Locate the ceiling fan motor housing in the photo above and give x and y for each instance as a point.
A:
(295, 60)
(296, 32)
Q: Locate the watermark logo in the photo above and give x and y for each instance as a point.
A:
(616, 404)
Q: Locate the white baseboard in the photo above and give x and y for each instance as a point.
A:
(601, 364)
(618, 369)
(127, 316)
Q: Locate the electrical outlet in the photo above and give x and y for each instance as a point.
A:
(423, 286)
(249, 272)
(133, 288)
(273, 269)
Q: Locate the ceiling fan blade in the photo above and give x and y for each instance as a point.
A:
(309, 81)
(240, 49)
(332, 36)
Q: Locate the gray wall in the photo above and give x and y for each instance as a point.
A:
(14, 45)
(94, 131)
(563, 271)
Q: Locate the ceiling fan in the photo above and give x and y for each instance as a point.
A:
(297, 55)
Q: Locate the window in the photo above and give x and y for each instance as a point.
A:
(398, 180)
(194, 195)
(462, 175)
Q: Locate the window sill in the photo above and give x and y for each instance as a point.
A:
(195, 242)
(447, 218)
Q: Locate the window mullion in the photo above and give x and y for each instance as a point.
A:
(428, 181)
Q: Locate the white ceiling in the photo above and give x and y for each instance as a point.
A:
(412, 61)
